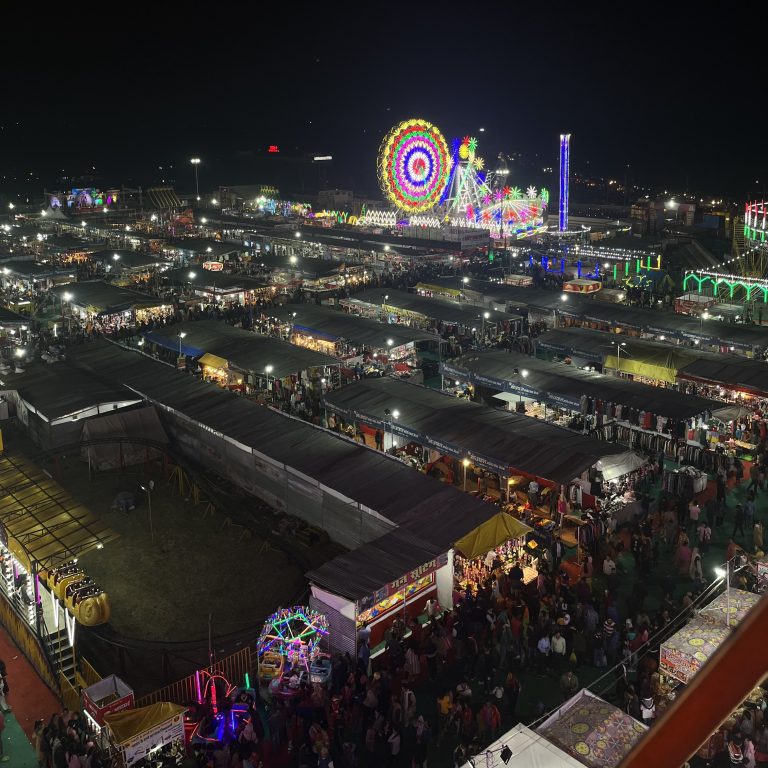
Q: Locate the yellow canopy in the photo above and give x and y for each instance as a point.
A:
(213, 361)
(500, 528)
(131, 723)
(439, 289)
(662, 366)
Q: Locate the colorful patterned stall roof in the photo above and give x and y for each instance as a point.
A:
(741, 603)
(594, 732)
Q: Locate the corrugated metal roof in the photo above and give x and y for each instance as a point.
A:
(525, 444)
(244, 350)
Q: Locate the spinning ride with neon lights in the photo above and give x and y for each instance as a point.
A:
(295, 634)
(433, 186)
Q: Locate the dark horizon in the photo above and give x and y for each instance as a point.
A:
(651, 101)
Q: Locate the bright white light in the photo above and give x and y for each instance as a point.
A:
(390, 342)
(195, 161)
(465, 462)
(182, 334)
(67, 296)
(297, 234)
(563, 297)
(105, 209)
(524, 373)
(269, 369)
(209, 249)
(214, 201)
(192, 275)
(203, 220)
(606, 265)
(386, 247)
(322, 381)
(45, 213)
(720, 572)
(293, 259)
(11, 206)
(115, 256)
(20, 352)
(705, 315)
(153, 217)
(486, 315)
(661, 338)
(396, 414)
(465, 280)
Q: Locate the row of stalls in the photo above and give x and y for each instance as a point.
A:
(736, 386)
(555, 309)
(523, 466)
(683, 654)
(245, 361)
(436, 315)
(357, 341)
(642, 417)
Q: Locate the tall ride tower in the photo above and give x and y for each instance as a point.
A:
(565, 158)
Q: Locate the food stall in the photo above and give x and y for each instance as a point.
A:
(106, 697)
(146, 732)
(495, 546)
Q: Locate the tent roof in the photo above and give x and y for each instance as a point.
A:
(500, 438)
(435, 309)
(591, 308)
(205, 279)
(309, 267)
(551, 381)
(741, 603)
(488, 535)
(200, 246)
(61, 389)
(244, 350)
(335, 324)
(738, 372)
(529, 750)
(130, 723)
(595, 733)
(401, 496)
(128, 259)
(43, 522)
(104, 297)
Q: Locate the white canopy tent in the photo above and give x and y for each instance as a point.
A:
(529, 750)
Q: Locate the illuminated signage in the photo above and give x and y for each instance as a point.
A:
(213, 266)
(273, 148)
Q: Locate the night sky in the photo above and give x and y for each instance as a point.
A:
(147, 89)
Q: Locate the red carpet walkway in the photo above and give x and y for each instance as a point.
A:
(28, 696)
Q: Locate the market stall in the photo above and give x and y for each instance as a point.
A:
(106, 697)
(736, 601)
(141, 734)
(687, 650)
(496, 546)
(594, 732)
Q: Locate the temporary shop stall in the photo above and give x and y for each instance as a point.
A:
(499, 543)
(391, 577)
(687, 650)
(147, 732)
(522, 747)
(735, 603)
(592, 731)
(106, 697)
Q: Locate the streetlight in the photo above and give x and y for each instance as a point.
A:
(704, 316)
(195, 162)
(268, 369)
(465, 463)
(148, 490)
(563, 297)
(619, 345)
(520, 373)
(486, 316)
(182, 334)
(66, 296)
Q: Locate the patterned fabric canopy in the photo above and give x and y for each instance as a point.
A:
(596, 733)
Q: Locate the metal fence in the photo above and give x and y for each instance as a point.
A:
(233, 668)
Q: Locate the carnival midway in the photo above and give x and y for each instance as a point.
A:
(420, 515)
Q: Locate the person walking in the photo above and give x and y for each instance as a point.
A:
(705, 536)
(3, 687)
(738, 521)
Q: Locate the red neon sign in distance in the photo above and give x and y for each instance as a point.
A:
(273, 149)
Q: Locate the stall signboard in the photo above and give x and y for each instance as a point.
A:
(213, 266)
(660, 331)
(559, 348)
(521, 389)
(449, 370)
(140, 746)
(493, 466)
(678, 665)
(561, 401)
(118, 705)
(417, 573)
(406, 432)
(446, 448)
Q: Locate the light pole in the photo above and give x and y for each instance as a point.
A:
(486, 315)
(182, 334)
(465, 464)
(704, 316)
(268, 369)
(619, 345)
(195, 162)
(520, 374)
(66, 296)
(148, 489)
